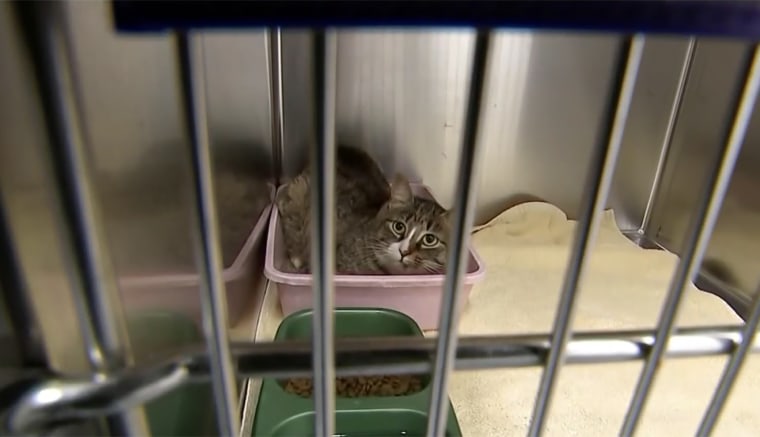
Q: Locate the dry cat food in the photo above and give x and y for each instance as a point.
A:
(359, 386)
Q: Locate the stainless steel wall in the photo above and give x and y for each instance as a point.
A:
(128, 91)
(130, 99)
(401, 96)
(709, 99)
(25, 190)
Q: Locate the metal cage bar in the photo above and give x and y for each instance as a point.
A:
(730, 373)
(595, 195)
(84, 398)
(94, 286)
(208, 251)
(274, 59)
(322, 217)
(675, 111)
(698, 237)
(456, 263)
(16, 299)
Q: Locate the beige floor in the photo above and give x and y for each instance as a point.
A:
(525, 251)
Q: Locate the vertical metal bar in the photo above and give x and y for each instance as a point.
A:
(322, 218)
(274, 58)
(732, 369)
(95, 289)
(15, 296)
(459, 241)
(595, 195)
(675, 111)
(697, 238)
(213, 294)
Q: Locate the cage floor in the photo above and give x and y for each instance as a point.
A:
(525, 251)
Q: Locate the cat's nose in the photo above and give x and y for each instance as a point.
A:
(404, 252)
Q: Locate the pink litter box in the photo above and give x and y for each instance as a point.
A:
(181, 292)
(418, 296)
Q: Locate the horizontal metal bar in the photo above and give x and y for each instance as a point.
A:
(396, 355)
(50, 398)
(719, 18)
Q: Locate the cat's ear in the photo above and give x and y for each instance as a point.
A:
(401, 192)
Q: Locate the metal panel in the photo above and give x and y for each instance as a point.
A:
(298, 90)
(133, 120)
(646, 129)
(131, 104)
(401, 96)
(705, 214)
(735, 244)
(130, 99)
(25, 183)
(540, 146)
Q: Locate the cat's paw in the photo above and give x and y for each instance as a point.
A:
(299, 188)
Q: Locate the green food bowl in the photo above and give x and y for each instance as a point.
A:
(188, 410)
(280, 413)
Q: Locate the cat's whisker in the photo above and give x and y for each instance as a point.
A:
(432, 266)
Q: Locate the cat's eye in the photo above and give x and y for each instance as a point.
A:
(398, 228)
(429, 240)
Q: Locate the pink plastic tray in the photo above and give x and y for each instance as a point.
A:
(418, 296)
(181, 292)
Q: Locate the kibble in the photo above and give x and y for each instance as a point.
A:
(361, 386)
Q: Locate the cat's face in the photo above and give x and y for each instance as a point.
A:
(411, 233)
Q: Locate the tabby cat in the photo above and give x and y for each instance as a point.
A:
(380, 228)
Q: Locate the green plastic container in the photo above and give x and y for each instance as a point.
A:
(279, 413)
(189, 410)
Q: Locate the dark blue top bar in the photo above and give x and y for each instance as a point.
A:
(680, 17)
